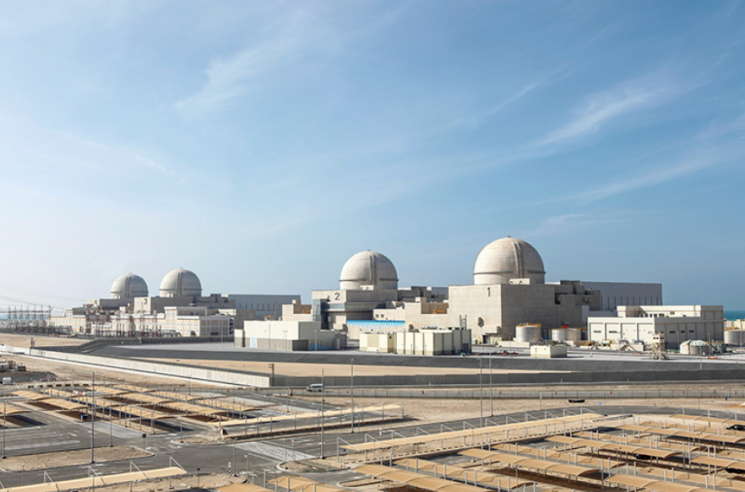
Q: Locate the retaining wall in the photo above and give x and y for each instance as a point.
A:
(190, 372)
(246, 378)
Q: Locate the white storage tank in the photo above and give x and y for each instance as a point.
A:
(734, 337)
(528, 333)
(695, 347)
(566, 334)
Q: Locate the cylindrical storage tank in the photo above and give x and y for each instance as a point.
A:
(698, 350)
(528, 333)
(560, 334)
(734, 337)
(566, 334)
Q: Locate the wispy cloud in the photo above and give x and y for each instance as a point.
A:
(229, 77)
(558, 225)
(603, 107)
(718, 145)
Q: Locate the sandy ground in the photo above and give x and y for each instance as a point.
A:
(70, 458)
(294, 369)
(206, 481)
(79, 372)
(39, 340)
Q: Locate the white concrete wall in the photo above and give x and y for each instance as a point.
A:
(191, 372)
(678, 323)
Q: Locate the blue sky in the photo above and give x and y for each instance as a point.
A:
(260, 144)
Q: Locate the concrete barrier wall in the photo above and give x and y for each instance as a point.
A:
(189, 372)
(245, 378)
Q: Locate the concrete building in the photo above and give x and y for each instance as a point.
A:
(288, 335)
(508, 289)
(614, 294)
(424, 342)
(548, 351)
(676, 324)
(179, 310)
(368, 281)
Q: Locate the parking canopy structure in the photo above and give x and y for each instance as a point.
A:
(708, 420)
(514, 460)
(684, 434)
(649, 441)
(243, 487)
(653, 484)
(98, 480)
(303, 484)
(723, 463)
(413, 479)
(517, 429)
(573, 442)
(306, 415)
(454, 472)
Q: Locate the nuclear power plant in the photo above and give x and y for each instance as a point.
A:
(509, 303)
(179, 310)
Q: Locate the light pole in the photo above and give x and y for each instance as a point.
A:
(247, 473)
(351, 392)
(491, 392)
(4, 413)
(481, 391)
(93, 415)
(323, 390)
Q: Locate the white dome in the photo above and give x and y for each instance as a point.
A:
(180, 283)
(505, 259)
(368, 270)
(128, 286)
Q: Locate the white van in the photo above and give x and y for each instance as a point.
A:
(315, 388)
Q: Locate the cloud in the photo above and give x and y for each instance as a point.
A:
(626, 98)
(717, 145)
(230, 78)
(479, 120)
(559, 225)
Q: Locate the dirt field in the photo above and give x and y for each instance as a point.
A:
(39, 340)
(70, 458)
(205, 481)
(79, 372)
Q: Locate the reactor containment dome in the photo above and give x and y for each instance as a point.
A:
(129, 286)
(506, 259)
(180, 283)
(368, 270)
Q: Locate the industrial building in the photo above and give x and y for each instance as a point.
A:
(671, 324)
(179, 310)
(508, 289)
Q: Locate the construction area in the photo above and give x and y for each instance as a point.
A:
(86, 426)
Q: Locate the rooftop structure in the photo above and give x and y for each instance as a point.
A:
(368, 270)
(180, 283)
(506, 259)
(128, 286)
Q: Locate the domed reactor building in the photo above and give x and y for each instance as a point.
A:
(179, 310)
(509, 289)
